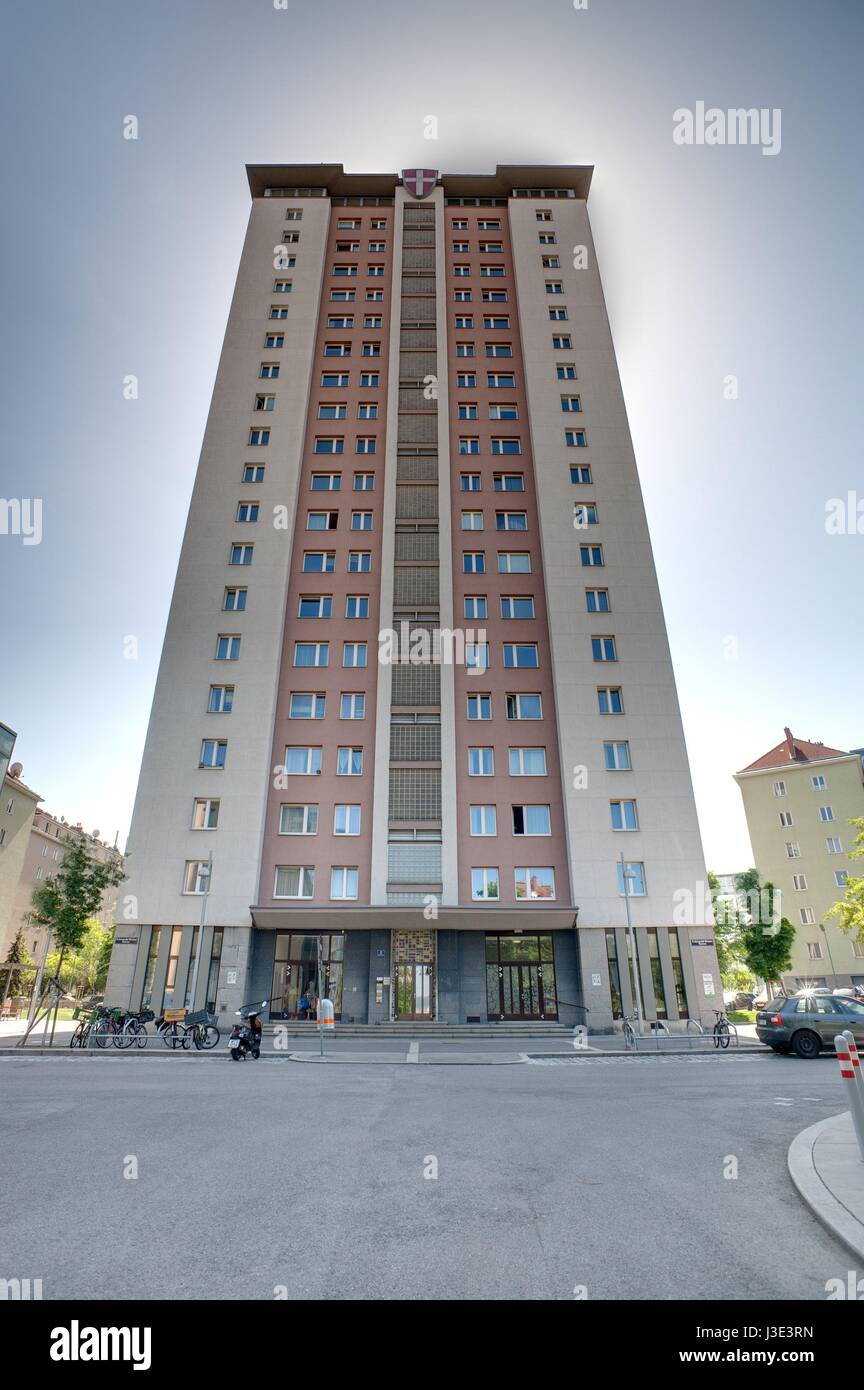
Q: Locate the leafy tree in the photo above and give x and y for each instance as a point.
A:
(64, 903)
(850, 910)
(767, 945)
(18, 955)
(84, 971)
(727, 933)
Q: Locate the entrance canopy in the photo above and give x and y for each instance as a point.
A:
(528, 917)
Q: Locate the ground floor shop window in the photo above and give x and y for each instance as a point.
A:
(296, 985)
(520, 977)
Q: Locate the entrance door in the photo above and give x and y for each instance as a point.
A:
(520, 977)
(414, 991)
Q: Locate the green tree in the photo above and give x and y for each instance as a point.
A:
(727, 933)
(17, 955)
(850, 909)
(65, 903)
(767, 945)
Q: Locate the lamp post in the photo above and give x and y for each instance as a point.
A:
(627, 875)
(205, 873)
(824, 932)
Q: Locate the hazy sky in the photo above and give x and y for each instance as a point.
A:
(119, 257)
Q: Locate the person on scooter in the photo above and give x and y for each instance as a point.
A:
(253, 1023)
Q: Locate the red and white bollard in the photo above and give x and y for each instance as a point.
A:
(847, 1071)
(855, 1059)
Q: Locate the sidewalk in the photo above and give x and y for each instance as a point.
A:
(825, 1165)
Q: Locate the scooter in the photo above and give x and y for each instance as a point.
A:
(245, 1038)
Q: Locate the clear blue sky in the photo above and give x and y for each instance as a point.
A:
(119, 257)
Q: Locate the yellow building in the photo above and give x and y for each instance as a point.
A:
(799, 799)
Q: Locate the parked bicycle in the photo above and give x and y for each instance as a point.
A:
(722, 1029)
(201, 1031)
(135, 1028)
(172, 1032)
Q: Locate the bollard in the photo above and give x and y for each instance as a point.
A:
(855, 1059)
(847, 1071)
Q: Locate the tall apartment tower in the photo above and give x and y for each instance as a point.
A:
(416, 695)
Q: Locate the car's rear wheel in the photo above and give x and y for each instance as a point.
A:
(806, 1044)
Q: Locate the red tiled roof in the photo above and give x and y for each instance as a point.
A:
(795, 750)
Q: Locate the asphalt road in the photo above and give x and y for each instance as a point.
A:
(263, 1177)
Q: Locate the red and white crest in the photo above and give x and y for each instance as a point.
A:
(419, 181)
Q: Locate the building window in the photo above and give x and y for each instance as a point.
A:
(265, 403)
(631, 880)
(535, 884)
(473, 562)
(317, 606)
(213, 752)
(521, 654)
(817, 782)
(349, 762)
(302, 705)
(205, 813)
(833, 845)
(274, 340)
(359, 561)
(338, 410)
(354, 654)
(298, 820)
(344, 882)
(624, 815)
(610, 700)
(325, 482)
(785, 818)
(346, 820)
(527, 762)
(484, 885)
(234, 600)
(826, 813)
(469, 482)
(361, 521)
(517, 606)
(584, 514)
(259, 438)
(302, 761)
(269, 370)
(247, 511)
(311, 653)
(841, 878)
(221, 699)
(514, 562)
(614, 975)
(597, 600)
(479, 707)
(294, 881)
(603, 649)
(253, 473)
(319, 562)
(532, 820)
(472, 521)
(799, 883)
(793, 849)
(366, 444)
(483, 820)
(481, 762)
(195, 880)
(475, 606)
(779, 788)
(357, 606)
(523, 706)
(575, 439)
(508, 482)
(322, 521)
(616, 756)
(227, 647)
(352, 706)
(591, 556)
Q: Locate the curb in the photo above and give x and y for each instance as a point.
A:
(828, 1209)
(396, 1059)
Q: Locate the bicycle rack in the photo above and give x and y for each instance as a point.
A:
(693, 1038)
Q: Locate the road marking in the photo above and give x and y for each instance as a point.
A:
(783, 1100)
(413, 1052)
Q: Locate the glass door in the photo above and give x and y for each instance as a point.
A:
(413, 991)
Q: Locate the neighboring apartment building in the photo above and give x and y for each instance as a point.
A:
(44, 855)
(17, 807)
(417, 426)
(798, 800)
